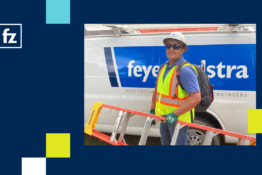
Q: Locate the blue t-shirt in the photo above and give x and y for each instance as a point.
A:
(188, 76)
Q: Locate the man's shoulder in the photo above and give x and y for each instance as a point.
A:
(188, 69)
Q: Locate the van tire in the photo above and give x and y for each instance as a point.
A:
(197, 136)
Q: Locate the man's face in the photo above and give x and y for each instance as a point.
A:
(172, 54)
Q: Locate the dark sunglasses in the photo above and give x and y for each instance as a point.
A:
(175, 46)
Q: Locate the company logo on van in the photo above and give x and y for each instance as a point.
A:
(229, 67)
(225, 71)
(138, 70)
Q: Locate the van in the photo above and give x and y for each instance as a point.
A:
(121, 70)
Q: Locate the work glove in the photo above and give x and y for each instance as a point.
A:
(171, 118)
(153, 111)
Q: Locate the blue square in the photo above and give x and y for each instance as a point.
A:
(57, 11)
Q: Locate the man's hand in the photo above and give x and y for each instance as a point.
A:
(154, 113)
(171, 118)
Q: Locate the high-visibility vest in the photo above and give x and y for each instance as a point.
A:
(166, 100)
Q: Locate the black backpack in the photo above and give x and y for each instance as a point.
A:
(206, 89)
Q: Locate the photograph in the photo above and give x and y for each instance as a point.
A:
(169, 84)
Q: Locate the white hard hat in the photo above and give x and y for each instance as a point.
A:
(177, 36)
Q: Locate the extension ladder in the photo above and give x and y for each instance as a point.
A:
(127, 113)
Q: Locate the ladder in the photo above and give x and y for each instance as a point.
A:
(126, 114)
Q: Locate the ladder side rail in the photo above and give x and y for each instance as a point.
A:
(145, 131)
(134, 112)
(219, 131)
(209, 137)
(175, 134)
(117, 124)
(105, 138)
(123, 130)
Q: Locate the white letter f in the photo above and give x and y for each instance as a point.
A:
(5, 35)
(130, 66)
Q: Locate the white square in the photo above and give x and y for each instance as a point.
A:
(33, 166)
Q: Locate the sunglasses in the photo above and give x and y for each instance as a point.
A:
(175, 46)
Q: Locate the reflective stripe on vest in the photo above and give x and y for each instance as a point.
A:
(166, 102)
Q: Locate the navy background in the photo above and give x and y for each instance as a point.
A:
(42, 90)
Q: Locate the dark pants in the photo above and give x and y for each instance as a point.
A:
(167, 130)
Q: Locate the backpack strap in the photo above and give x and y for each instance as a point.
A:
(178, 73)
(180, 83)
(180, 66)
(191, 114)
(178, 70)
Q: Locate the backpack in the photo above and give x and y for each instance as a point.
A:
(206, 89)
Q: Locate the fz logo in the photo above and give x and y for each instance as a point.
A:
(5, 34)
(10, 36)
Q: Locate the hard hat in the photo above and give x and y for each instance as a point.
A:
(177, 36)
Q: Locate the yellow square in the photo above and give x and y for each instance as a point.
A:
(254, 121)
(57, 145)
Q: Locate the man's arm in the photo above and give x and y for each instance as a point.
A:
(193, 99)
(153, 103)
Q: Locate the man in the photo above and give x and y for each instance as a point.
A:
(169, 99)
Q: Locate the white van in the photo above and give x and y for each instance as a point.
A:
(122, 70)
